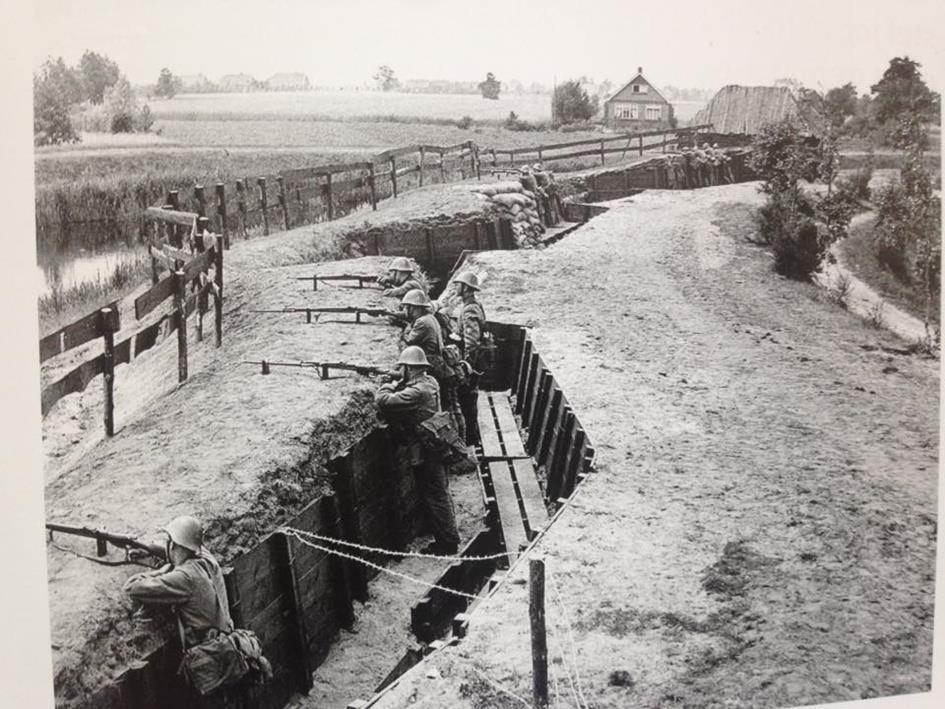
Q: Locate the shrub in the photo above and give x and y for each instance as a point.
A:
(465, 123)
(122, 123)
(514, 123)
(571, 103)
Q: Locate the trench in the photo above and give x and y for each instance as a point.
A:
(302, 599)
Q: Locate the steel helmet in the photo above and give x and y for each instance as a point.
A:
(187, 532)
(468, 278)
(413, 356)
(416, 297)
(400, 264)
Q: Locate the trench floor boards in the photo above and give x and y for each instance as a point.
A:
(519, 501)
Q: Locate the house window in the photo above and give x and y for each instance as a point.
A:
(640, 88)
(654, 112)
(625, 111)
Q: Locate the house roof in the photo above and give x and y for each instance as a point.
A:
(746, 109)
(639, 75)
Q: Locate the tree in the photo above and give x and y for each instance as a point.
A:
(571, 103)
(167, 84)
(902, 91)
(490, 87)
(51, 122)
(385, 78)
(63, 80)
(98, 73)
(122, 106)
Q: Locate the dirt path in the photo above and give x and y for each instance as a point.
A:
(760, 530)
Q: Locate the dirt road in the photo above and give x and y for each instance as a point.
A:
(760, 530)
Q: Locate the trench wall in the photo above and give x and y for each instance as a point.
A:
(295, 598)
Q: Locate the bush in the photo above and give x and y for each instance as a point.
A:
(514, 123)
(122, 123)
(465, 123)
(571, 103)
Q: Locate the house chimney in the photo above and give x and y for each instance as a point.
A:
(639, 70)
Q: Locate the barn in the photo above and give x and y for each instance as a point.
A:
(638, 106)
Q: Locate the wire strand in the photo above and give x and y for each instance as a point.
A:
(570, 631)
(391, 572)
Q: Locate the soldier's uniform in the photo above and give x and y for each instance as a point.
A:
(395, 291)
(405, 406)
(425, 333)
(197, 590)
(472, 320)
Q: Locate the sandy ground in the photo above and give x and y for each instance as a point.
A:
(760, 529)
(240, 450)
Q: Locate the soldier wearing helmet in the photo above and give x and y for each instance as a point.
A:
(404, 405)
(422, 329)
(191, 582)
(399, 279)
(471, 325)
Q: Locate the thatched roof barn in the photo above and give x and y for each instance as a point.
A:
(745, 109)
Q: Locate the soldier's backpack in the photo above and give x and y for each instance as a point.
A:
(447, 368)
(438, 436)
(223, 659)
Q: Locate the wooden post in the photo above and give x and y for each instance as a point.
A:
(422, 156)
(472, 158)
(539, 153)
(109, 328)
(431, 254)
(173, 231)
(371, 180)
(393, 175)
(202, 228)
(180, 295)
(495, 162)
(296, 613)
(218, 300)
(241, 204)
(512, 158)
(263, 204)
(478, 163)
(221, 213)
(442, 168)
(280, 180)
(640, 138)
(601, 151)
(536, 616)
(201, 200)
(328, 201)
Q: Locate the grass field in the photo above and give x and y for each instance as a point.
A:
(351, 104)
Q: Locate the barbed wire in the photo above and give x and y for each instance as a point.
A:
(564, 666)
(570, 631)
(391, 572)
(391, 552)
(492, 682)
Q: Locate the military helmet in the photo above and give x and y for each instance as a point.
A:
(187, 532)
(400, 264)
(468, 278)
(413, 356)
(416, 297)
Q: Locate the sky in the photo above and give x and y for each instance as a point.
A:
(706, 44)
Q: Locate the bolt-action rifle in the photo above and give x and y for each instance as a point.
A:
(397, 315)
(130, 544)
(323, 368)
(361, 279)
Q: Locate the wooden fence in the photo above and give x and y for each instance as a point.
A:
(184, 267)
(633, 143)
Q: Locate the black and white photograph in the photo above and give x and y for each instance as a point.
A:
(474, 355)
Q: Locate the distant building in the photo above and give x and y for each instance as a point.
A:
(746, 109)
(638, 106)
(237, 82)
(195, 83)
(288, 81)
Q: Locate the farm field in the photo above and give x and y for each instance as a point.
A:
(352, 104)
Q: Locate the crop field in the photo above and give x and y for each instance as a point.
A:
(352, 104)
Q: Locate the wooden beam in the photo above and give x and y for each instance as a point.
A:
(170, 216)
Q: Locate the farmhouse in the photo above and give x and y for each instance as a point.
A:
(746, 109)
(237, 82)
(288, 81)
(638, 106)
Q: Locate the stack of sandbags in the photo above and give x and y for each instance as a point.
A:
(511, 200)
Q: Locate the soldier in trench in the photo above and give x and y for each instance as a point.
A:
(471, 330)
(424, 331)
(405, 404)
(399, 279)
